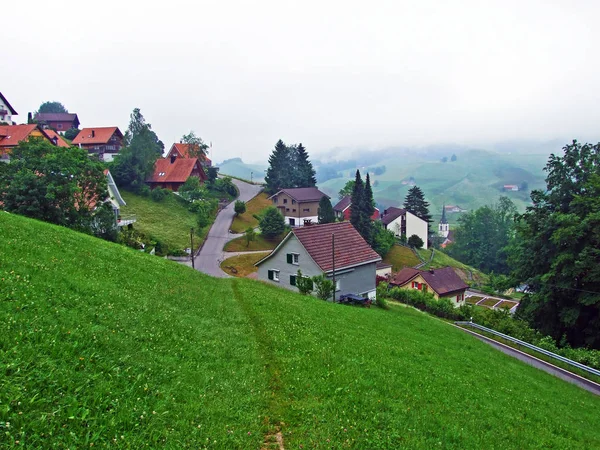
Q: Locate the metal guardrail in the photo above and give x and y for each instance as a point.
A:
(562, 359)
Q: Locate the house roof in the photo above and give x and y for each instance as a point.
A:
(177, 171)
(183, 150)
(96, 135)
(309, 194)
(443, 281)
(382, 265)
(391, 214)
(343, 204)
(11, 135)
(60, 142)
(57, 117)
(12, 110)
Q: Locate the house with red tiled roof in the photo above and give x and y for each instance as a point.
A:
(105, 142)
(171, 173)
(58, 121)
(336, 250)
(56, 138)
(182, 150)
(298, 206)
(343, 209)
(442, 283)
(11, 135)
(6, 111)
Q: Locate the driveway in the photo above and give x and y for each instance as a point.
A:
(211, 255)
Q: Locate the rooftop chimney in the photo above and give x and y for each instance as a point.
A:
(431, 271)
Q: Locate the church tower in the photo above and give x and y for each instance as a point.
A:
(444, 227)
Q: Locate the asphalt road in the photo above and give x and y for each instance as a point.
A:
(211, 255)
(540, 364)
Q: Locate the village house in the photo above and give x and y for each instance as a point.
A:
(314, 251)
(343, 209)
(454, 209)
(6, 111)
(299, 206)
(510, 187)
(11, 135)
(58, 121)
(181, 150)
(105, 142)
(171, 173)
(403, 223)
(442, 283)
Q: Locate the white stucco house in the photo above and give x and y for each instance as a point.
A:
(404, 223)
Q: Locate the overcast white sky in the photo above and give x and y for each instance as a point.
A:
(324, 73)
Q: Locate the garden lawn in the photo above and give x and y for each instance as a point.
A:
(247, 220)
(242, 264)
(107, 346)
(258, 244)
(168, 221)
(400, 257)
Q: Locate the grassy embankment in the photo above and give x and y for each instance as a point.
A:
(107, 346)
(242, 265)
(260, 243)
(441, 259)
(400, 257)
(247, 220)
(168, 220)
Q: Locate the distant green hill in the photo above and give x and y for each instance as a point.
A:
(475, 179)
(104, 345)
(238, 168)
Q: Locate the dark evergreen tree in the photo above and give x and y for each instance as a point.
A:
(326, 213)
(416, 204)
(359, 216)
(369, 201)
(304, 174)
(279, 171)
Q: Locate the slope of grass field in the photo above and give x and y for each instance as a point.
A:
(400, 257)
(107, 346)
(258, 244)
(441, 259)
(247, 220)
(242, 265)
(168, 221)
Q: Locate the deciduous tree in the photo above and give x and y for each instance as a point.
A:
(557, 249)
(239, 207)
(271, 223)
(196, 146)
(52, 107)
(347, 189)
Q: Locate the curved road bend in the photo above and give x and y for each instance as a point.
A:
(538, 363)
(212, 253)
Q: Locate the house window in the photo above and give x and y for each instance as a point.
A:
(285, 200)
(292, 280)
(59, 126)
(306, 210)
(275, 200)
(293, 258)
(294, 210)
(287, 209)
(273, 275)
(293, 202)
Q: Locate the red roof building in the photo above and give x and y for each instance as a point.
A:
(58, 121)
(56, 138)
(6, 111)
(11, 135)
(343, 209)
(442, 283)
(105, 142)
(319, 249)
(182, 151)
(171, 173)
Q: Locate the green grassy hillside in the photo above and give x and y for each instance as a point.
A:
(473, 180)
(168, 221)
(107, 346)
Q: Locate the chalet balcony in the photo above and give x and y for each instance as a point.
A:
(123, 221)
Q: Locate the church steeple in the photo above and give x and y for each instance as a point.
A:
(444, 227)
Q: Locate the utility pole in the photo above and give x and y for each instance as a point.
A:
(192, 241)
(251, 177)
(333, 262)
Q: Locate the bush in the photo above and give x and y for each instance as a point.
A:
(381, 302)
(271, 223)
(415, 241)
(239, 207)
(159, 194)
(323, 286)
(144, 190)
(304, 284)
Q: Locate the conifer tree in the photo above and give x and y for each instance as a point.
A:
(326, 214)
(279, 171)
(359, 217)
(304, 172)
(415, 203)
(369, 202)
